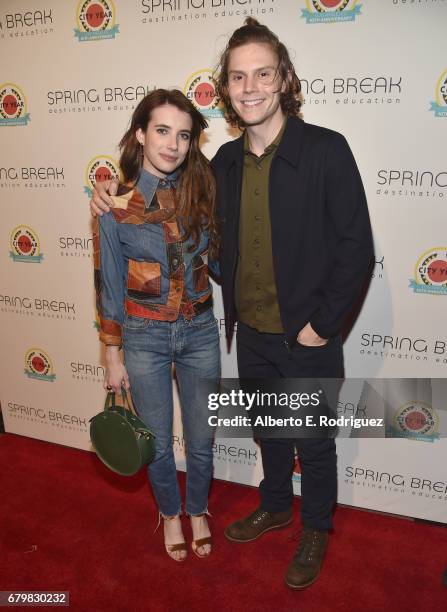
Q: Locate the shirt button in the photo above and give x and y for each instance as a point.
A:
(175, 262)
(259, 307)
(258, 166)
(257, 191)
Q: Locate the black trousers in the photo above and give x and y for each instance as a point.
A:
(262, 355)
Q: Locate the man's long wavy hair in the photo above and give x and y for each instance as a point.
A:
(196, 192)
(253, 32)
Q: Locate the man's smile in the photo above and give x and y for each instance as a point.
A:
(252, 102)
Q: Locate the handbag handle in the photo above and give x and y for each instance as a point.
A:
(127, 401)
(110, 401)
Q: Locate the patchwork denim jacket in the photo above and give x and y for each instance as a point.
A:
(142, 267)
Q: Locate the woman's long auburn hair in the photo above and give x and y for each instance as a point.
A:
(196, 192)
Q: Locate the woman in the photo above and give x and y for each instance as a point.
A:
(154, 297)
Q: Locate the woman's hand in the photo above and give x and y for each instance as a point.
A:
(116, 373)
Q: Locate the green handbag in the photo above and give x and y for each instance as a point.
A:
(120, 438)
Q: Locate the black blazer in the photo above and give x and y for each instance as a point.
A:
(321, 233)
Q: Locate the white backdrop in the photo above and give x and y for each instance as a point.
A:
(71, 75)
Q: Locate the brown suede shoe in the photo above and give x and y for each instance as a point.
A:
(257, 523)
(305, 566)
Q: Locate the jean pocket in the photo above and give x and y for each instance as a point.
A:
(312, 347)
(143, 279)
(204, 320)
(133, 322)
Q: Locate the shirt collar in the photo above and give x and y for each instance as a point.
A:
(271, 147)
(148, 181)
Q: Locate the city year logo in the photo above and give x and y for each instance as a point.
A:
(38, 365)
(12, 106)
(416, 421)
(330, 11)
(25, 245)
(431, 272)
(96, 20)
(100, 168)
(439, 106)
(200, 88)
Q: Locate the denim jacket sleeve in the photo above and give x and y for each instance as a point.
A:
(110, 275)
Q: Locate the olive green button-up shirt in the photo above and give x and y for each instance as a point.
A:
(255, 288)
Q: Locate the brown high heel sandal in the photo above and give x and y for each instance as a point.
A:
(196, 544)
(173, 548)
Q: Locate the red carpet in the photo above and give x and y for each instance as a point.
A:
(67, 523)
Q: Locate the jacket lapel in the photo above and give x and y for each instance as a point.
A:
(234, 190)
(285, 174)
(291, 143)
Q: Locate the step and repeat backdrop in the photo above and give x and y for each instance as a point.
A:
(71, 74)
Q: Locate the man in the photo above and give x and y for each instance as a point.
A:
(295, 248)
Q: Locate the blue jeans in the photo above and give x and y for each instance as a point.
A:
(150, 349)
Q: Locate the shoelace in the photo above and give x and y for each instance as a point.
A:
(259, 518)
(308, 546)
